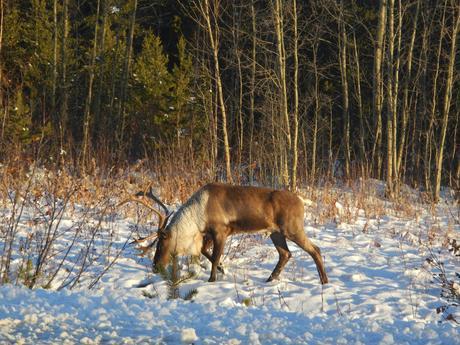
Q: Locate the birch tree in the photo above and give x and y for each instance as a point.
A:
(87, 113)
(278, 16)
(378, 88)
(447, 98)
(295, 115)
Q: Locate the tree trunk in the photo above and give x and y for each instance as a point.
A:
(378, 88)
(252, 92)
(125, 79)
(99, 129)
(3, 107)
(87, 113)
(362, 143)
(429, 136)
(446, 103)
(214, 40)
(395, 97)
(279, 31)
(63, 84)
(239, 118)
(295, 114)
(345, 98)
(313, 172)
(390, 104)
(405, 105)
(54, 112)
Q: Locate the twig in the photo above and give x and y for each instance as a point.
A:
(282, 300)
(236, 289)
(109, 265)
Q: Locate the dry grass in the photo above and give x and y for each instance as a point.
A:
(344, 205)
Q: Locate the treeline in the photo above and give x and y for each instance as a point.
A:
(282, 92)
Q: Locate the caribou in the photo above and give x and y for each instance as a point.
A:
(217, 211)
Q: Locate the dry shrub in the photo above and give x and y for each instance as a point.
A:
(340, 205)
(177, 180)
(35, 200)
(323, 208)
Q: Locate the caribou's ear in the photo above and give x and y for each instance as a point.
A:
(167, 219)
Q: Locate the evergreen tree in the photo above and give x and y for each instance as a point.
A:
(150, 116)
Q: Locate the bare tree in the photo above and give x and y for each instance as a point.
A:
(206, 14)
(125, 75)
(405, 103)
(64, 95)
(342, 43)
(252, 86)
(359, 101)
(295, 115)
(316, 113)
(447, 98)
(390, 103)
(54, 113)
(278, 17)
(429, 132)
(378, 87)
(87, 113)
(3, 108)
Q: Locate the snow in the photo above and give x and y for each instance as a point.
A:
(381, 288)
(188, 336)
(134, 320)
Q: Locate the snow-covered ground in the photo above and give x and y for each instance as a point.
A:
(381, 291)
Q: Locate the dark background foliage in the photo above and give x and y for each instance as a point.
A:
(107, 82)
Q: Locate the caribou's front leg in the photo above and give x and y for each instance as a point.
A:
(207, 242)
(284, 254)
(219, 238)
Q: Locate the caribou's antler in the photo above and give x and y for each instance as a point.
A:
(152, 196)
(161, 217)
(145, 249)
(152, 236)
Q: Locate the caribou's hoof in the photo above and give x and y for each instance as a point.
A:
(212, 279)
(271, 278)
(221, 269)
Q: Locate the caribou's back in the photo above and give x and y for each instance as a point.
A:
(245, 208)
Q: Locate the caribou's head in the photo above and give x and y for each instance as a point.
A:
(182, 235)
(163, 248)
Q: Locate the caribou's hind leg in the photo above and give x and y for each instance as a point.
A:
(304, 242)
(279, 241)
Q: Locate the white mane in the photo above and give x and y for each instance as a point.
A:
(188, 224)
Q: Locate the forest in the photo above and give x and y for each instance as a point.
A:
(280, 93)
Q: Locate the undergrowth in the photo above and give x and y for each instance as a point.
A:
(174, 279)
